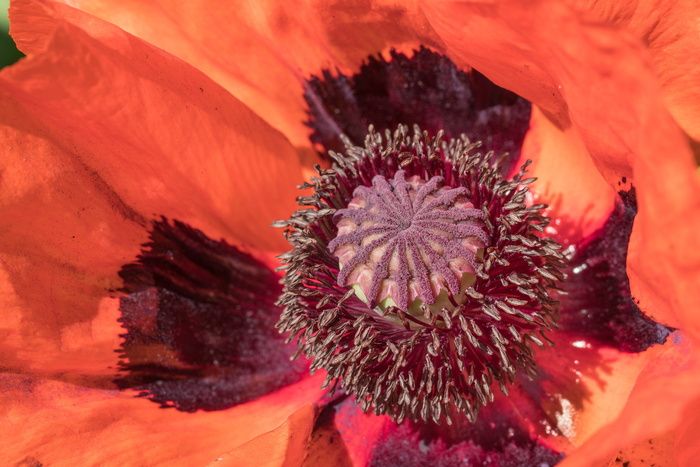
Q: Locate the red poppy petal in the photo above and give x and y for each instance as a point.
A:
(50, 422)
(663, 263)
(669, 30)
(345, 436)
(687, 434)
(607, 390)
(665, 397)
(157, 135)
(597, 307)
(597, 79)
(262, 51)
(65, 236)
(657, 451)
(286, 445)
(567, 179)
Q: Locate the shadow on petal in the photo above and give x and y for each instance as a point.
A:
(159, 135)
(596, 78)
(321, 34)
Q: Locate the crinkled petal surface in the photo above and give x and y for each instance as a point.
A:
(54, 423)
(290, 41)
(664, 398)
(595, 80)
(159, 134)
(100, 132)
(669, 30)
(599, 97)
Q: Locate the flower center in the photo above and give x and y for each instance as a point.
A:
(402, 241)
(419, 277)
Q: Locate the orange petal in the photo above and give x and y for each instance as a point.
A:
(65, 236)
(66, 344)
(687, 434)
(597, 79)
(608, 389)
(579, 197)
(659, 451)
(262, 51)
(345, 436)
(668, 29)
(79, 426)
(665, 397)
(664, 261)
(156, 137)
(283, 446)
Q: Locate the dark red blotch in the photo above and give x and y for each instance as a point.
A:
(599, 306)
(404, 446)
(199, 316)
(425, 89)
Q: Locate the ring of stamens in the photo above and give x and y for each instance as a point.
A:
(450, 358)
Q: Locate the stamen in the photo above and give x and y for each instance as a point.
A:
(419, 277)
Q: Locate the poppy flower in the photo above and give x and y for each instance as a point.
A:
(147, 149)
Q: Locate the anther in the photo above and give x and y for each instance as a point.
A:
(420, 278)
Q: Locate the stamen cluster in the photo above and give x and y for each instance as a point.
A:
(448, 355)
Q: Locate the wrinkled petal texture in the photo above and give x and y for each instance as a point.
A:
(47, 422)
(601, 94)
(658, 404)
(596, 79)
(101, 132)
(669, 30)
(290, 41)
(88, 161)
(159, 133)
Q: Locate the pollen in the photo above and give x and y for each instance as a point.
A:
(420, 278)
